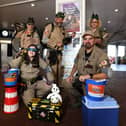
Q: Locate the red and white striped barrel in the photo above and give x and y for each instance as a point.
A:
(11, 104)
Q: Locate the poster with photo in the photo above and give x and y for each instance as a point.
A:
(72, 16)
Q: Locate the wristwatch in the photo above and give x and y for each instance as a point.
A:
(91, 75)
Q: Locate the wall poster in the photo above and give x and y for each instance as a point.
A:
(72, 16)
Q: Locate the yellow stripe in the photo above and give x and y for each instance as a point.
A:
(29, 116)
(56, 121)
(57, 113)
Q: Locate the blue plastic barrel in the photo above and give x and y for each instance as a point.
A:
(14, 70)
(95, 89)
(10, 79)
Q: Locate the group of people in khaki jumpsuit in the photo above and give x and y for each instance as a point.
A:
(29, 74)
(90, 63)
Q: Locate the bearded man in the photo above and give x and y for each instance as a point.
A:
(90, 63)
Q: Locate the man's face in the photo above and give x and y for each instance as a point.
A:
(88, 41)
(58, 21)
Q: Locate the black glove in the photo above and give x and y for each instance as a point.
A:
(21, 88)
(77, 84)
(67, 40)
(52, 57)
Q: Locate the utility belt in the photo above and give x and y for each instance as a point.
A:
(32, 81)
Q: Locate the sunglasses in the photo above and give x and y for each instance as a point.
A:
(32, 49)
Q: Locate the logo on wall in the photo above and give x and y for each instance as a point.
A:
(6, 33)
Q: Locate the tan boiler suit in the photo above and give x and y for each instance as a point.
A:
(28, 73)
(85, 67)
(102, 35)
(51, 38)
(26, 39)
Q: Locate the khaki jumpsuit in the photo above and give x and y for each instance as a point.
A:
(29, 73)
(102, 35)
(84, 67)
(26, 39)
(51, 38)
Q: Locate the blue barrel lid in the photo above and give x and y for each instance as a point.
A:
(98, 82)
(13, 70)
(107, 103)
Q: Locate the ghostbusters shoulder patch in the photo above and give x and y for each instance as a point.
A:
(46, 31)
(103, 63)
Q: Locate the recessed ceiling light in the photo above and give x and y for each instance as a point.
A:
(108, 22)
(104, 28)
(116, 10)
(46, 18)
(32, 4)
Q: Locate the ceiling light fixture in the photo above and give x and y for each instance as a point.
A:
(17, 3)
(116, 10)
(46, 18)
(32, 5)
(108, 22)
(104, 28)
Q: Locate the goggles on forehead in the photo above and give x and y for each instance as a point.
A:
(32, 49)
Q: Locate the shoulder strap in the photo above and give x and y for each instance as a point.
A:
(52, 29)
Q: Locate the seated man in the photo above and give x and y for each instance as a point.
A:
(32, 71)
(90, 63)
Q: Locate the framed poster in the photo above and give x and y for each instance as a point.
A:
(72, 16)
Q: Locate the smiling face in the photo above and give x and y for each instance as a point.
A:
(94, 23)
(32, 51)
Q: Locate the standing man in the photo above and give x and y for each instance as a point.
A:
(16, 41)
(53, 36)
(90, 63)
(29, 35)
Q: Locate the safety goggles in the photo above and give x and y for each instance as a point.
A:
(32, 49)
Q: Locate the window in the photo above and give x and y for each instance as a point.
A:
(111, 50)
